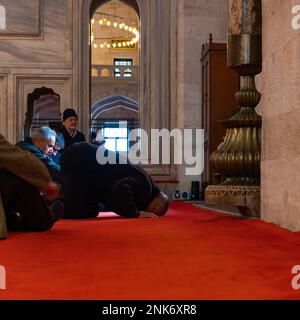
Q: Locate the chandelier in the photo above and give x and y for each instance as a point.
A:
(129, 34)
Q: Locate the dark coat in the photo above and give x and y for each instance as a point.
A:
(28, 169)
(125, 188)
(69, 140)
(53, 167)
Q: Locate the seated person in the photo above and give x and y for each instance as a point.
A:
(22, 180)
(41, 144)
(58, 147)
(69, 129)
(125, 189)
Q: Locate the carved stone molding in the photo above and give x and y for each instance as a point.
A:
(246, 198)
(4, 119)
(23, 19)
(49, 47)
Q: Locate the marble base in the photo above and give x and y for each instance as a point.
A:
(245, 198)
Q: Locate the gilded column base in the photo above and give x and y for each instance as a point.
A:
(245, 198)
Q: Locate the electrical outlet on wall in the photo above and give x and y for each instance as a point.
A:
(181, 195)
(185, 195)
(177, 195)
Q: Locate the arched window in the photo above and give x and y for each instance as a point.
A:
(2, 18)
(115, 116)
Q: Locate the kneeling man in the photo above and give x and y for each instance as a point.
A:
(125, 189)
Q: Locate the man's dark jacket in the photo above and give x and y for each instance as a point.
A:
(69, 140)
(126, 189)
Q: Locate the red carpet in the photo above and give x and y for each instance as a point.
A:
(189, 254)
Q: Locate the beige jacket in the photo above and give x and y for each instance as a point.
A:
(23, 164)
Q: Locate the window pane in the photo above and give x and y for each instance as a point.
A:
(123, 62)
(110, 144)
(123, 124)
(109, 132)
(122, 145)
(115, 132)
(122, 133)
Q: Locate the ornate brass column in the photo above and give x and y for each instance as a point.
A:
(238, 156)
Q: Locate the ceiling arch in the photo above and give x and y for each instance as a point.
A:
(97, 3)
(111, 102)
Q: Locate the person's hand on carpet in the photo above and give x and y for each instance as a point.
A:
(52, 191)
(146, 214)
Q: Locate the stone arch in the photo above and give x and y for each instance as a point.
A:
(112, 109)
(112, 102)
(105, 73)
(87, 9)
(132, 3)
(157, 72)
(94, 72)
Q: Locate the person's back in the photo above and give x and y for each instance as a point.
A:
(125, 188)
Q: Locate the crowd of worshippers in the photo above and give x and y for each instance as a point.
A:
(55, 174)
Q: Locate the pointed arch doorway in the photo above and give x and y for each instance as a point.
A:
(115, 57)
(157, 73)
